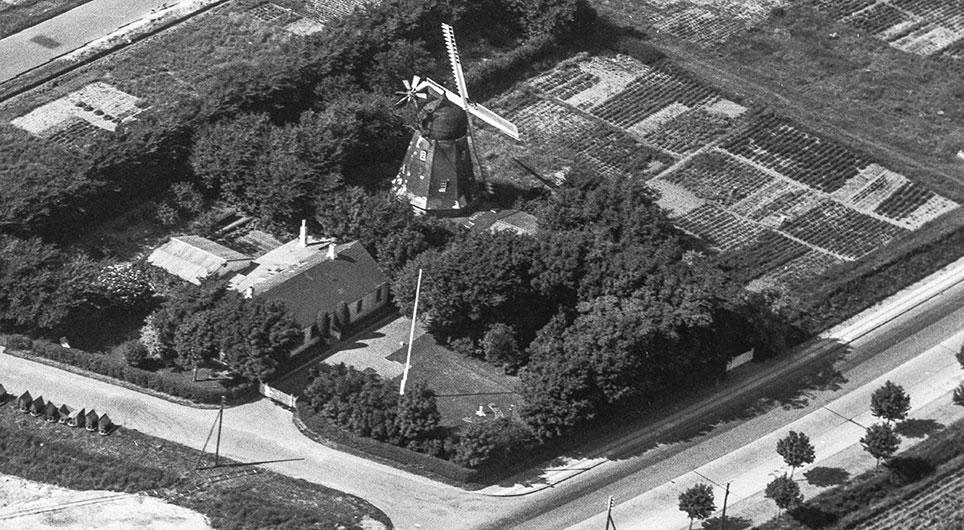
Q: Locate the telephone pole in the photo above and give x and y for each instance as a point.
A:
(726, 496)
(217, 445)
(609, 513)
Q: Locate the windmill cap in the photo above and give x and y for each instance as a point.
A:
(442, 120)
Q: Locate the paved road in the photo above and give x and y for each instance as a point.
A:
(262, 431)
(915, 350)
(66, 32)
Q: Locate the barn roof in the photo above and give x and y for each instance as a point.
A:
(193, 258)
(307, 280)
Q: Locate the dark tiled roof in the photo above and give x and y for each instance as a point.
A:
(319, 283)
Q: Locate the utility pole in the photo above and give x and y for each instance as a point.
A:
(217, 445)
(609, 513)
(726, 496)
(411, 336)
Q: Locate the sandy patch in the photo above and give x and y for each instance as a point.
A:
(38, 506)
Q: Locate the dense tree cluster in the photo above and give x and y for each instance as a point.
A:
(198, 324)
(607, 305)
(368, 406)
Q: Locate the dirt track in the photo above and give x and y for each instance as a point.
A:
(34, 505)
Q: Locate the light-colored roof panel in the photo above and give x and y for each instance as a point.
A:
(192, 258)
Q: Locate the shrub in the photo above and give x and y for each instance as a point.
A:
(501, 347)
(482, 444)
(134, 353)
(18, 342)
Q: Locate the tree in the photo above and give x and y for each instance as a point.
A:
(960, 356)
(784, 492)
(958, 397)
(796, 450)
(697, 502)
(40, 285)
(417, 417)
(257, 336)
(480, 444)
(890, 402)
(500, 346)
(134, 353)
(880, 441)
(198, 338)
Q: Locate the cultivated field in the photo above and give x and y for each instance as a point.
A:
(743, 180)
(72, 120)
(704, 22)
(922, 27)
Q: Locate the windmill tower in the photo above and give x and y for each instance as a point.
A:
(438, 173)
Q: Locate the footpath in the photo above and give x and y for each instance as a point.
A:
(828, 342)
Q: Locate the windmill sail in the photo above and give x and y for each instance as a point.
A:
(479, 111)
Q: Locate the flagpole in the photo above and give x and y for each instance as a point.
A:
(411, 336)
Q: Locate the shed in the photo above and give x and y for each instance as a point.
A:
(77, 418)
(65, 412)
(193, 258)
(90, 420)
(37, 406)
(51, 412)
(24, 401)
(104, 426)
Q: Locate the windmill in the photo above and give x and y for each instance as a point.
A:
(438, 174)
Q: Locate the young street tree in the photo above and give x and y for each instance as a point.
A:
(880, 441)
(890, 402)
(796, 450)
(959, 395)
(784, 492)
(697, 502)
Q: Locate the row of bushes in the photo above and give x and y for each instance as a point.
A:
(316, 427)
(119, 369)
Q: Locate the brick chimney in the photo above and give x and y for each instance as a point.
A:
(303, 233)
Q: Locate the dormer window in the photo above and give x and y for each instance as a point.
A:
(444, 186)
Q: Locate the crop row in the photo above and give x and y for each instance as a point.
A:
(776, 202)
(841, 230)
(800, 270)
(565, 83)
(776, 142)
(552, 126)
(649, 93)
(706, 23)
(690, 130)
(940, 506)
(923, 27)
(326, 10)
(769, 251)
(719, 178)
(718, 227)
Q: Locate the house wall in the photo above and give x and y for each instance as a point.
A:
(371, 302)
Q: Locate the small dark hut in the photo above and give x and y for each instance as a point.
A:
(77, 418)
(64, 411)
(37, 406)
(90, 420)
(104, 425)
(51, 412)
(24, 401)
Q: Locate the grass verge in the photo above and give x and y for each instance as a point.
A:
(19, 16)
(915, 474)
(231, 496)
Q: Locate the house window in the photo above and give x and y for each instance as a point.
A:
(444, 186)
(378, 295)
(358, 306)
(421, 155)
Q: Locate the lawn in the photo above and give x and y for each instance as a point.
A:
(462, 384)
(231, 496)
(18, 15)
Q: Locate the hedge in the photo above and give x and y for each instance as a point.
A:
(315, 427)
(118, 369)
